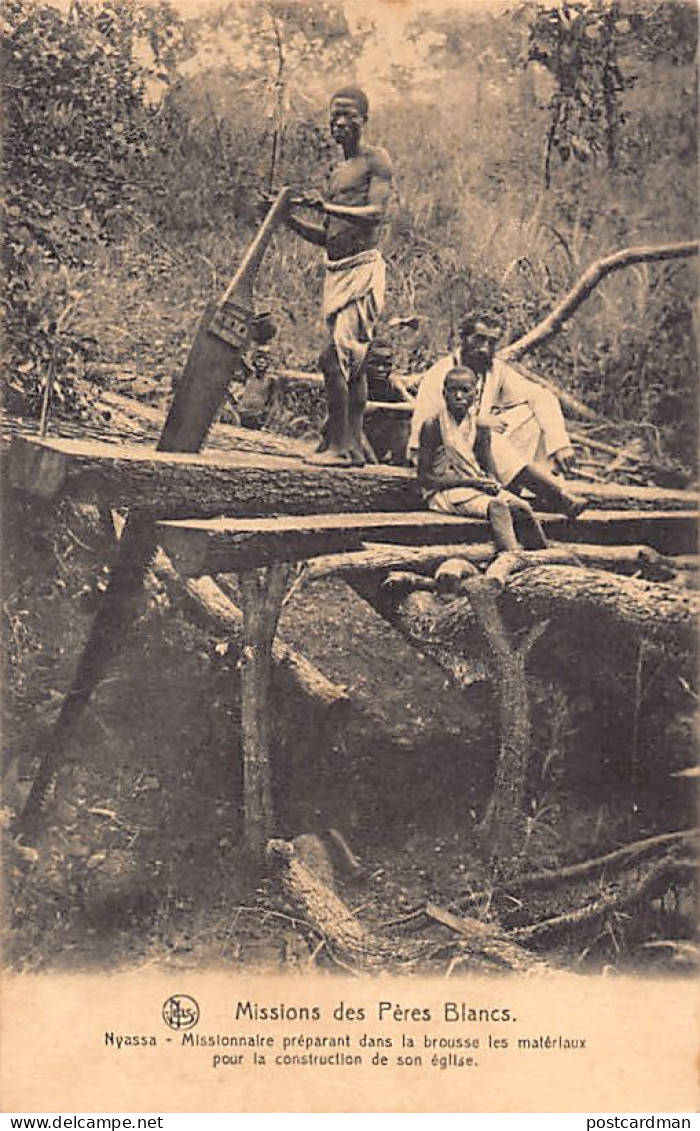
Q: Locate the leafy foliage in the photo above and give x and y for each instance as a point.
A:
(76, 147)
(579, 46)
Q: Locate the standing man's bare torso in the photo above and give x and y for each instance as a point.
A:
(351, 184)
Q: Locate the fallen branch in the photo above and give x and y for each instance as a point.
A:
(489, 939)
(657, 880)
(586, 285)
(207, 602)
(378, 557)
(586, 871)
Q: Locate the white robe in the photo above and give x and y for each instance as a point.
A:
(535, 426)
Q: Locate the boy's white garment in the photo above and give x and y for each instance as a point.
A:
(535, 426)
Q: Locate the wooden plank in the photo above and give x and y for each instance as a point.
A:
(669, 532)
(226, 545)
(177, 484)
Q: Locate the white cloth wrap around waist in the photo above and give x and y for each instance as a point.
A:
(353, 298)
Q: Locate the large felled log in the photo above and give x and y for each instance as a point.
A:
(655, 611)
(258, 483)
(612, 605)
(645, 609)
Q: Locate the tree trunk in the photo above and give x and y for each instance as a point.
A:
(503, 826)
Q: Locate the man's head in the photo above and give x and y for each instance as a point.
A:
(262, 360)
(263, 328)
(477, 342)
(349, 112)
(380, 359)
(460, 391)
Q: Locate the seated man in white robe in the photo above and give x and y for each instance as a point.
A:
(453, 450)
(524, 413)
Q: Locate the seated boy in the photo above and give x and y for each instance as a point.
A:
(451, 477)
(251, 404)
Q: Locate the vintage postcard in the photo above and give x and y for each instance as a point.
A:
(350, 570)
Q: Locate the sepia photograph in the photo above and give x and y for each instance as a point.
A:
(350, 554)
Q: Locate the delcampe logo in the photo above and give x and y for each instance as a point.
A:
(180, 1012)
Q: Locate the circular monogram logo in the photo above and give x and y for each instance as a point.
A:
(181, 1012)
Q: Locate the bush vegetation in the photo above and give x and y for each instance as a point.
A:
(528, 141)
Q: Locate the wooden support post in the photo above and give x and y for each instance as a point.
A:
(262, 594)
(503, 826)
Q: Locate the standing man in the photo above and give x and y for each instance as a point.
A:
(353, 294)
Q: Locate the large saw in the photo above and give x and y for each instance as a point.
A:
(222, 338)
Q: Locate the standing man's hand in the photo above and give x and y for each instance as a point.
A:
(263, 202)
(490, 487)
(308, 198)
